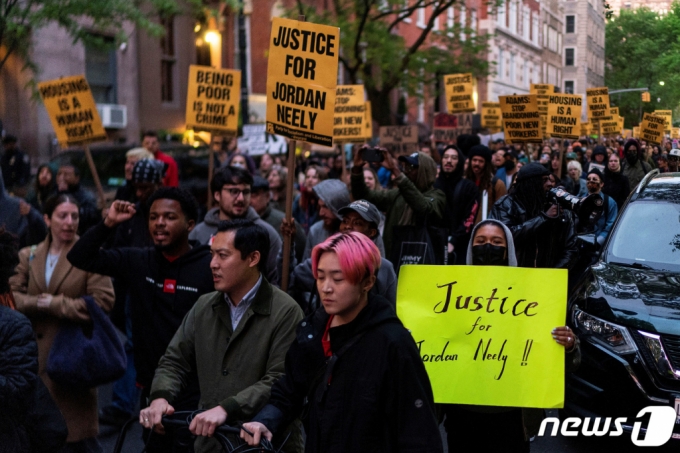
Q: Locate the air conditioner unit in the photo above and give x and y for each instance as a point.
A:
(113, 116)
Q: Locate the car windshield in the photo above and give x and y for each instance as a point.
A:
(648, 233)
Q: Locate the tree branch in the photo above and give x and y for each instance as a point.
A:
(360, 30)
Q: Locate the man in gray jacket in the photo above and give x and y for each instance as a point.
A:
(231, 188)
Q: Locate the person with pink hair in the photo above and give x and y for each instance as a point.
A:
(355, 363)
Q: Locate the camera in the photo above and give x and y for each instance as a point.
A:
(372, 155)
(587, 209)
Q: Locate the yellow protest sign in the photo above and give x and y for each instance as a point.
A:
(484, 333)
(627, 133)
(636, 131)
(651, 128)
(667, 115)
(301, 80)
(585, 128)
(564, 116)
(621, 121)
(368, 124)
(350, 114)
(459, 89)
(491, 116)
(598, 104)
(610, 128)
(543, 92)
(521, 120)
(213, 99)
(614, 111)
(72, 110)
(675, 132)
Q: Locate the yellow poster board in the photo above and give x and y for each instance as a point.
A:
(213, 99)
(350, 114)
(598, 104)
(491, 116)
(484, 332)
(667, 115)
(611, 128)
(543, 92)
(675, 132)
(614, 111)
(636, 131)
(521, 120)
(459, 89)
(585, 129)
(564, 116)
(301, 80)
(72, 110)
(368, 123)
(652, 128)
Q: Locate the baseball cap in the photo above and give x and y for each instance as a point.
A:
(571, 156)
(147, 170)
(674, 152)
(411, 159)
(365, 209)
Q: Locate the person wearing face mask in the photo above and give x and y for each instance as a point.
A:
(633, 166)
(616, 184)
(491, 428)
(507, 171)
(673, 159)
(543, 237)
(480, 171)
(461, 206)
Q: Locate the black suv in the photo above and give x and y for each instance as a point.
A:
(626, 310)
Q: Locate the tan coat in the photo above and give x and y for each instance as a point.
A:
(68, 284)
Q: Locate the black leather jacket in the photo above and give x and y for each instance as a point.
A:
(541, 241)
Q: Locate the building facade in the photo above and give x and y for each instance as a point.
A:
(583, 45)
(659, 6)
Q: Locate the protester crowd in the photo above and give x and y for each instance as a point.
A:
(199, 303)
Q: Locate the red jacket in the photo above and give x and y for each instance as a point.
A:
(171, 178)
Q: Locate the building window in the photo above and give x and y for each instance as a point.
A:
(407, 19)
(571, 24)
(569, 86)
(501, 65)
(168, 60)
(525, 74)
(534, 29)
(473, 22)
(101, 73)
(512, 68)
(501, 15)
(450, 18)
(569, 56)
(462, 18)
(526, 23)
(420, 22)
(513, 16)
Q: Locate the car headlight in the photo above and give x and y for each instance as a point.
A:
(612, 336)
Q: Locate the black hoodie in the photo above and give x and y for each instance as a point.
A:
(161, 292)
(379, 398)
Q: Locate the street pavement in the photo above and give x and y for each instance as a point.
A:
(558, 444)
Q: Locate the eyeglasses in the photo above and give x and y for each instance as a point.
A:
(235, 192)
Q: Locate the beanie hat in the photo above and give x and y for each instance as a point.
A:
(480, 151)
(532, 170)
(597, 172)
(465, 142)
(147, 170)
(599, 149)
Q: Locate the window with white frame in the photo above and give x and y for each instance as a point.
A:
(462, 18)
(534, 29)
(420, 14)
(513, 16)
(450, 19)
(500, 15)
(501, 64)
(569, 86)
(569, 56)
(526, 23)
(405, 6)
(473, 22)
(512, 68)
(570, 24)
(545, 35)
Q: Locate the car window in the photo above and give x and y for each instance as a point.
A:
(648, 233)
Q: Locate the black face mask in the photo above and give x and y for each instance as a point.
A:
(509, 165)
(632, 157)
(489, 255)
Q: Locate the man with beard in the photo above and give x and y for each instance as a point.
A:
(507, 171)
(461, 207)
(543, 238)
(595, 182)
(231, 188)
(164, 281)
(633, 166)
(480, 171)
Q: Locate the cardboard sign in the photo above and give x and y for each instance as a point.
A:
(256, 141)
(675, 132)
(368, 124)
(491, 116)
(301, 80)
(72, 110)
(636, 131)
(521, 120)
(614, 111)
(564, 116)
(543, 92)
(621, 121)
(610, 128)
(598, 104)
(445, 127)
(484, 332)
(350, 114)
(399, 139)
(459, 89)
(213, 99)
(652, 128)
(667, 115)
(585, 129)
